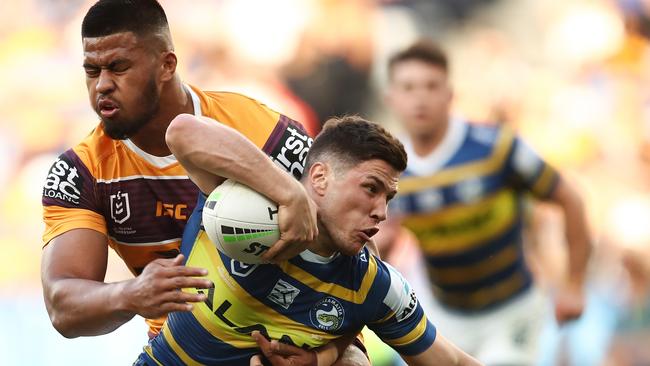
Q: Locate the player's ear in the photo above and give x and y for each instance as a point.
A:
(168, 67)
(318, 174)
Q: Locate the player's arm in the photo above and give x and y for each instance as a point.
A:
(441, 352)
(569, 300)
(79, 303)
(211, 151)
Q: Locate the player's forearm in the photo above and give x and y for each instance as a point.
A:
(577, 233)
(80, 307)
(207, 145)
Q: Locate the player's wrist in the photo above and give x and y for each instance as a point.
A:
(122, 298)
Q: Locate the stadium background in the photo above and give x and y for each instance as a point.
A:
(571, 76)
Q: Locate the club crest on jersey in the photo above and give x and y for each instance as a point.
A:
(327, 314)
(283, 294)
(120, 210)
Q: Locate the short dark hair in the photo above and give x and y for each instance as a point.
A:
(106, 17)
(423, 50)
(351, 140)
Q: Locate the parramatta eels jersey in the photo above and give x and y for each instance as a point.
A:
(142, 202)
(464, 203)
(306, 301)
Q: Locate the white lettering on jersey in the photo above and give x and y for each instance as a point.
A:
(400, 297)
(63, 182)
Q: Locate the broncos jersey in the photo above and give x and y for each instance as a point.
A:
(464, 203)
(307, 301)
(142, 202)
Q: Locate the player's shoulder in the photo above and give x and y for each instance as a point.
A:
(93, 149)
(489, 134)
(217, 101)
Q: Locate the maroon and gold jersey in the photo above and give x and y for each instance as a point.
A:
(142, 202)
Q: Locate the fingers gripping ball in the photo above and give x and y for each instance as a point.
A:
(242, 223)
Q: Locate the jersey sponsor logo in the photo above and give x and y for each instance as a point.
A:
(175, 211)
(63, 182)
(291, 151)
(409, 309)
(120, 209)
(241, 269)
(327, 314)
(283, 294)
(400, 297)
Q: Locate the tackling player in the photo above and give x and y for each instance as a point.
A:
(122, 188)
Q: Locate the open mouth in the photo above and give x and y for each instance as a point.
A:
(370, 232)
(107, 108)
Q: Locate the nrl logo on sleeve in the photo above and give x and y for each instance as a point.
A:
(63, 182)
(291, 151)
(120, 210)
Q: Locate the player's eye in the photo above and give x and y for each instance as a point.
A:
(371, 188)
(92, 71)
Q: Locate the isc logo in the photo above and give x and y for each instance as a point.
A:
(176, 211)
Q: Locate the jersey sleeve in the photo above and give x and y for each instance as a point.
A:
(400, 321)
(288, 146)
(528, 171)
(69, 200)
(281, 138)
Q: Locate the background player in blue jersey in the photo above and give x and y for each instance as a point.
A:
(330, 290)
(463, 196)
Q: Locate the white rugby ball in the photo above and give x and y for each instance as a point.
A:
(242, 223)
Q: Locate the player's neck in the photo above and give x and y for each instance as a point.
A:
(174, 100)
(321, 245)
(425, 143)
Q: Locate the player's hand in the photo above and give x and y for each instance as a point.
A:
(157, 290)
(569, 302)
(298, 226)
(280, 354)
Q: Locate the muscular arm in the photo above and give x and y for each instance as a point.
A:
(211, 151)
(72, 272)
(79, 302)
(442, 352)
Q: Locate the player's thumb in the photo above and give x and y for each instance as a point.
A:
(256, 360)
(178, 260)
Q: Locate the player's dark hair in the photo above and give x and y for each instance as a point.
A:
(423, 50)
(352, 140)
(106, 17)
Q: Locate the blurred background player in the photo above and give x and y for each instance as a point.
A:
(463, 196)
(332, 289)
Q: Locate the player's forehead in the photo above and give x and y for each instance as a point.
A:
(416, 70)
(103, 49)
(377, 170)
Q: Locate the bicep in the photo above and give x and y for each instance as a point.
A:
(78, 253)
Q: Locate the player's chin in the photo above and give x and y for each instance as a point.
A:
(353, 247)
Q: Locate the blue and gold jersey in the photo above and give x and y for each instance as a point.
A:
(464, 203)
(307, 301)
